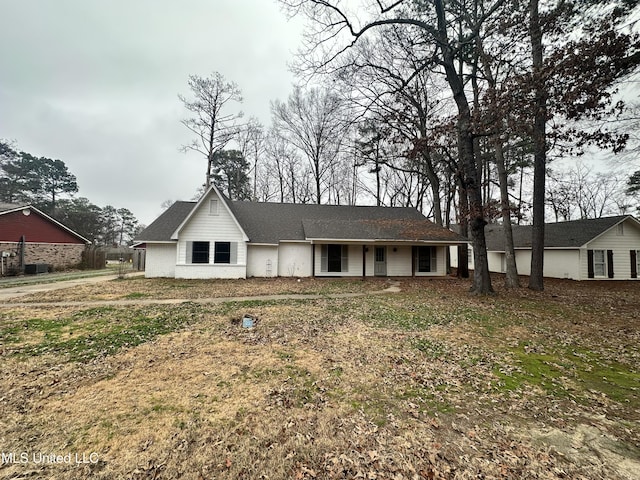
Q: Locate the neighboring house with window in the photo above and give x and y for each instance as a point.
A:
(600, 248)
(219, 238)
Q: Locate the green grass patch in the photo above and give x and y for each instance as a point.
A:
(568, 371)
(95, 332)
(398, 312)
(431, 348)
(136, 295)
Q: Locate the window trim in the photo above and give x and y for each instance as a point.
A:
(221, 256)
(603, 263)
(214, 207)
(200, 256)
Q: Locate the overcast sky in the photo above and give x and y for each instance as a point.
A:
(95, 84)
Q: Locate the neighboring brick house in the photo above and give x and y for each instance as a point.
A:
(29, 236)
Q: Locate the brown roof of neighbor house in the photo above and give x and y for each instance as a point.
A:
(572, 234)
(18, 221)
(270, 223)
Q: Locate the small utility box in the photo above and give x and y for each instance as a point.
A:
(35, 268)
(248, 321)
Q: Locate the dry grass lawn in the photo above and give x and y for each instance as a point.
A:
(428, 383)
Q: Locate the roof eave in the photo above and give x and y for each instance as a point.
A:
(387, 240)
(624, 219)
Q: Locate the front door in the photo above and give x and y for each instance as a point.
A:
(380, 262)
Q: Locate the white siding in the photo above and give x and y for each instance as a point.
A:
(205, 227)
(203, 271)
(557, 263)
(262, 261)
(399, 261)
(495, 261)
(453, 252)
(369, 260)
(294, 260)
(560, 264)
(355, 261)
(621, 246)
(160, 260)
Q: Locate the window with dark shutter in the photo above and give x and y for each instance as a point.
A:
(610, 273)
(590, 272)
(634, 263)
(334, 258)
(427, 259)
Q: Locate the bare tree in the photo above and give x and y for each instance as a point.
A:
(581, 192)
(251, 140)
(284, 166)
(336, 29)
(315, 122)
(213, 125)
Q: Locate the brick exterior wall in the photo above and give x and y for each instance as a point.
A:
(59, 255)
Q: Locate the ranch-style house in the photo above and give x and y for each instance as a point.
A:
(219, 238)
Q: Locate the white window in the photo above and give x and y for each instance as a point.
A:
(213, 207)
(637, 261)
(599, 263)
(620, 229)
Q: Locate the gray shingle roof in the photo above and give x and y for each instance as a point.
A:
(163, 227)
(273, 222)
(571, 234)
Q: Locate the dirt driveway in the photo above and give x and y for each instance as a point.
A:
(22, 290)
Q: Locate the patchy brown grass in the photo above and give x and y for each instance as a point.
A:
(427, 383)
(164, 288)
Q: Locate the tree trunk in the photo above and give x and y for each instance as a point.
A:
(434, 184)
(539, 150)
(481, 278)
(463, 250)
(511, 279)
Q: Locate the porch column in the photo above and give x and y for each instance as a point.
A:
(414, 253)
(364, 262)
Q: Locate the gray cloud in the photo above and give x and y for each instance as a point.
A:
(95, 84)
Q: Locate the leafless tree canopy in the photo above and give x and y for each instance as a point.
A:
(212, 124)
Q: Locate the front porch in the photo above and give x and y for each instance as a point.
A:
(378, 259)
